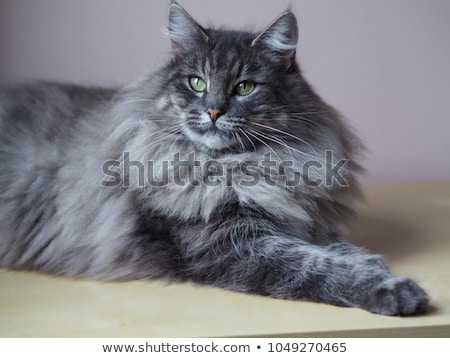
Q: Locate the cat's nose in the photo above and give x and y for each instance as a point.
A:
(214, 114)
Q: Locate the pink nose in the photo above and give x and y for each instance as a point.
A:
(214, 114)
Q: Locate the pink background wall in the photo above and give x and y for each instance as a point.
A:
(385, 64)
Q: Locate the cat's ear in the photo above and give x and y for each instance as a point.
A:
(183, 31)
(280, 38)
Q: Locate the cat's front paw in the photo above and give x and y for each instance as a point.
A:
(397, 296)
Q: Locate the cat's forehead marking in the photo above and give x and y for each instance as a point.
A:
(226, 65)
(207, 68)
(235, 68)
(244, 70)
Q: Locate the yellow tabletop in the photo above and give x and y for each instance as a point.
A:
(410, 223)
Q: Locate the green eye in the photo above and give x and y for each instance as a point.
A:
(245, 88)
(197, 84)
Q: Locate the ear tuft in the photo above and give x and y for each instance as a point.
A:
(182, 29)
(281, 37)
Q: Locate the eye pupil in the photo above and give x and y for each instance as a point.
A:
(245, 88)
(197, 84)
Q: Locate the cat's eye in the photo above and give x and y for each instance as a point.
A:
(245, 88)
(197, 84)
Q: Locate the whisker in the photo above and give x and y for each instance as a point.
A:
(295, 118)
(176, 126)
(137, 100)
(255, 135)
(241, 143)
(249, 139)
(304, 119)
(286, 133)
(164, 136)
(271, 138)
(281, 142)
(156, 137)
(173, 144)
(308, 113)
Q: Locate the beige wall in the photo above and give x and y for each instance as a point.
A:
(384, 63)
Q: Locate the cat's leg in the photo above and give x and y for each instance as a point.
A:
(287, 267)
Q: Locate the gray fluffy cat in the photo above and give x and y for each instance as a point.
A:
(223, 168)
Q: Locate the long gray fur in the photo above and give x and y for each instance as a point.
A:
(59, 215)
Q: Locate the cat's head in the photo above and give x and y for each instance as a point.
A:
(227, 81)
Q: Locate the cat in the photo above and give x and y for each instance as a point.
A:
(222, 168)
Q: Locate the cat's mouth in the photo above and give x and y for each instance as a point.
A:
(212, 130)
(211, 137)
(217, 135)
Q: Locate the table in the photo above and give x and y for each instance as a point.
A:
(409, 222)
